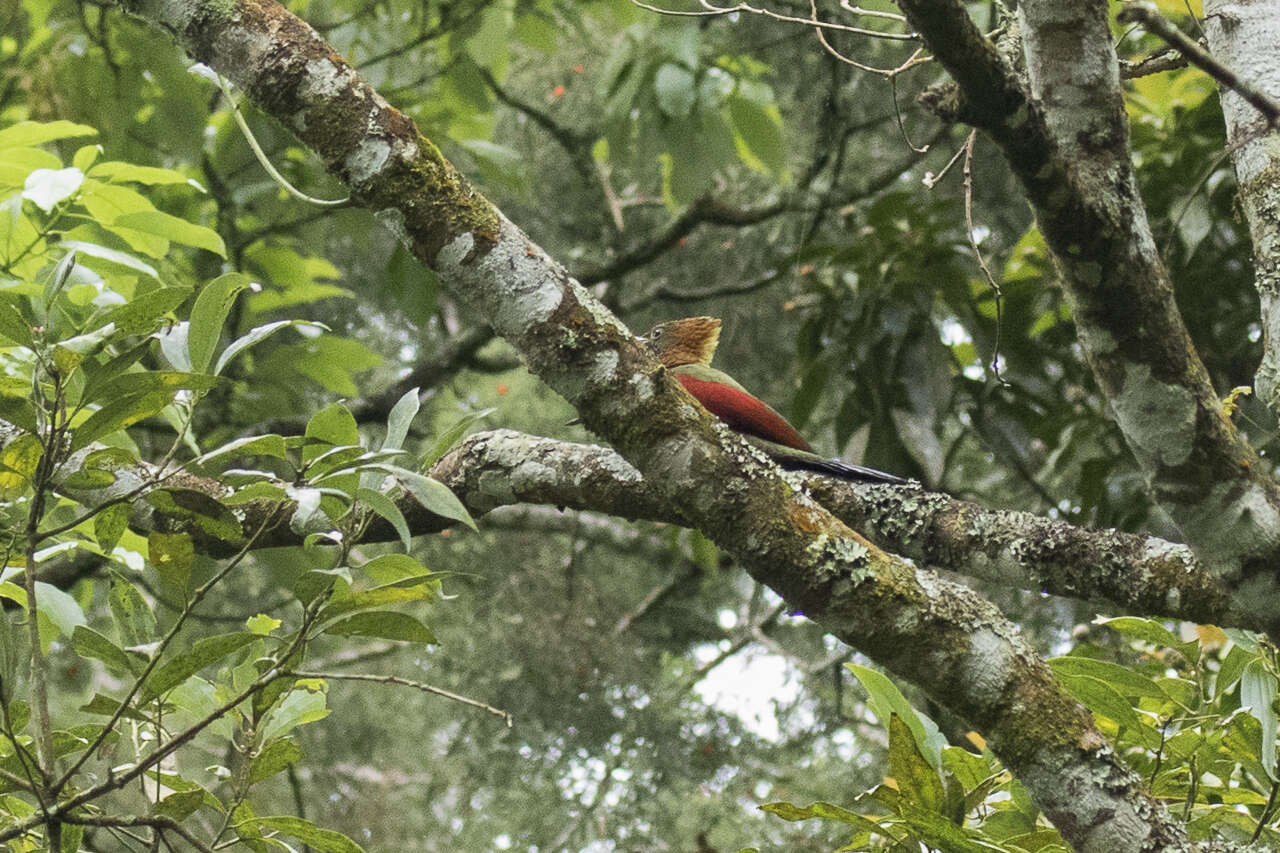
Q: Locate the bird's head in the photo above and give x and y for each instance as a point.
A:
(691, 340)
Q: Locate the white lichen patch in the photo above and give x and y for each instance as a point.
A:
(603, 369)
(324, 80)
(986, 666)
(514, 287)
(367, 160)
(1162, 549)
(619, 469)
(1157, 418)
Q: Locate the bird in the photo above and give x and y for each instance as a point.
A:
(686, 346)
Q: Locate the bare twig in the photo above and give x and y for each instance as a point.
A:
(1160, 61)
(160, 822)
(404, 682)
(977, 253)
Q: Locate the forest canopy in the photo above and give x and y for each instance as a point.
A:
(345, 510)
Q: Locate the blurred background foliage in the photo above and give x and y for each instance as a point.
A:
(720, 165)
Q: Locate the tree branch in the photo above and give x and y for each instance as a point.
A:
(1066, 138)
(941, 635)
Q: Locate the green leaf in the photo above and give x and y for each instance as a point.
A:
(1100, 697)
(118, 414)
(274, 757)
(105, 706)
(1147, 630)
(432, 494)
(252, 445)
(393, 568)
(59, 607)
(452, 436)
(674, 86)
(204, 653)
(917, 779)
(305, 703)
(258, 334)
(174, 229)
(758, 134)
(26, 133)
(206, 512)
(109, 525)
(262, 624)
(144, 382)
(387, 509)
(209, 315)
(89, 643)
(1258, 694)
(823, 811)
(171, 554)
(114, 256)
(18, 463)
(332, 425)
(372, 599)
(144, 313)
(1125, 681)
(321, 840)
(887, 699)
(14, 326)
(133, 618)
(180, 805)
(384, 624)
(402, 415)
(119, 172)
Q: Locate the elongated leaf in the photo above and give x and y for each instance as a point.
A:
(887, 699)
(387, 509)
(432, 494)
(1124, 680)
(175, 344)
(133, 618)
(46, 188)
(322, 840)
(402, 414)
(118, 414)
(1258, 693)
(392, 568)
(109, 526)
(452, 436)
(916, 777)
(251, 445)
(143, 313)
(14, 326)
(59, 607)
(117, 171)
(257, 335)
(178, 230)
(304, 704)
(204, 653)
(124, 259)
(208, 316)
(88, 643)
(26, 133)
(147, 381)
(274, 757)
(384, 624)
(372, 599)
(171, 554)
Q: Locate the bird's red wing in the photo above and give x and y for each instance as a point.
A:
(742, 412)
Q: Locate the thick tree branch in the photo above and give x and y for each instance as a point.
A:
(1247, 36)
(956, 646)
(1066, 138)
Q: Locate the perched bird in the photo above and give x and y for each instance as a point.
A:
(685, 347)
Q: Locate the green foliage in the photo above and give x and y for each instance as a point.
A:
(1195, 718)
(93, 351)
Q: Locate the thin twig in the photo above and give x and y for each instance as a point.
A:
(977, 253)
(161, 822)
(404, 682)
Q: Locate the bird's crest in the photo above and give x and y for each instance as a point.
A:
(691, 340)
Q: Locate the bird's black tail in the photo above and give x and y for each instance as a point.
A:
(836, 468)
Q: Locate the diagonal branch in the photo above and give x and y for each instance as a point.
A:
(942, 636)
(1066, 138)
